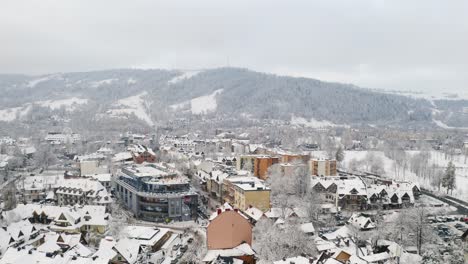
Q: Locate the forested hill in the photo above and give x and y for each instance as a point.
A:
(150, 95)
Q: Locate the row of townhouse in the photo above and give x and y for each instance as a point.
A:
(82, 191)
(64, 190)
(351, 192)
(76, 219)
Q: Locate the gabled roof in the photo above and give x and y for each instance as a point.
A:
(254, 213)
(239, 251)
(128, 249)
(361, 221)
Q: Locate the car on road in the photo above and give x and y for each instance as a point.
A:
(183, 249)
(176, 247)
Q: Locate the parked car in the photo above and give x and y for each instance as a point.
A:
(184, 248)
(176, 247)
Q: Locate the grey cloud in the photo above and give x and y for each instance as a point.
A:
(393, 44)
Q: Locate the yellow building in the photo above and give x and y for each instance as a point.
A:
(243, 192)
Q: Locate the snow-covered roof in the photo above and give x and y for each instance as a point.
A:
(103, 177)
(122, 156)
(276, 212)
(342, 232)
(144, 235)
(308, 228)
(138, 149)
(225, 207)
(295, 260)
(379, 257)
(128, 249)
(361, 221)
(241, 250)
(97, 214)
(105, 252)
(254, 213)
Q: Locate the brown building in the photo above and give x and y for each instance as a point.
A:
(295, 158)
(227, 230)
(262, 164)
(319, 167)
(142, 154)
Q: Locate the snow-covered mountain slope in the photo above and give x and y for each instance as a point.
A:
(184, 76)
(12, 114)
(133, 105)
(225, 91)
(69, 104)
(200, 105)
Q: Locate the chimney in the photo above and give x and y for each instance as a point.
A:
(219, 211)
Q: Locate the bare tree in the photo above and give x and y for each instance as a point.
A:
(9, 196)
(273, 242)
(448, 181)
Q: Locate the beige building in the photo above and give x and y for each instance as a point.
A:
(322, 167)
(92, 167)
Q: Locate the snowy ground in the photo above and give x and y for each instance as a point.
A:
(437, 158)
(444, 126)
(313, 123)
(131, 81)
(11, 114)
(132, 105)
(97, 84)
(69, 103)
(34, 82)
(200, 105)
(185, 76)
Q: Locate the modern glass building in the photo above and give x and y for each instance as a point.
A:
(155, 193)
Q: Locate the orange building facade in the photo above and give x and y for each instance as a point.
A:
(228, 230)
(262, 164)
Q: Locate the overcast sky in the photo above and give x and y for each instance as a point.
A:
(408, 44)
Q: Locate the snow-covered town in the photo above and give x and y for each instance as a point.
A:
(225, 197)
(234, 132)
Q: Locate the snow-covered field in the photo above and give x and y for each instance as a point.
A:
(131, 81)
(33, 83)
(69, 103)
(313, 123)
(444, 126)
(11, 114)
(132, 105)
(200, 105)
(185, 76)
(437, 158)
(97, 84)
